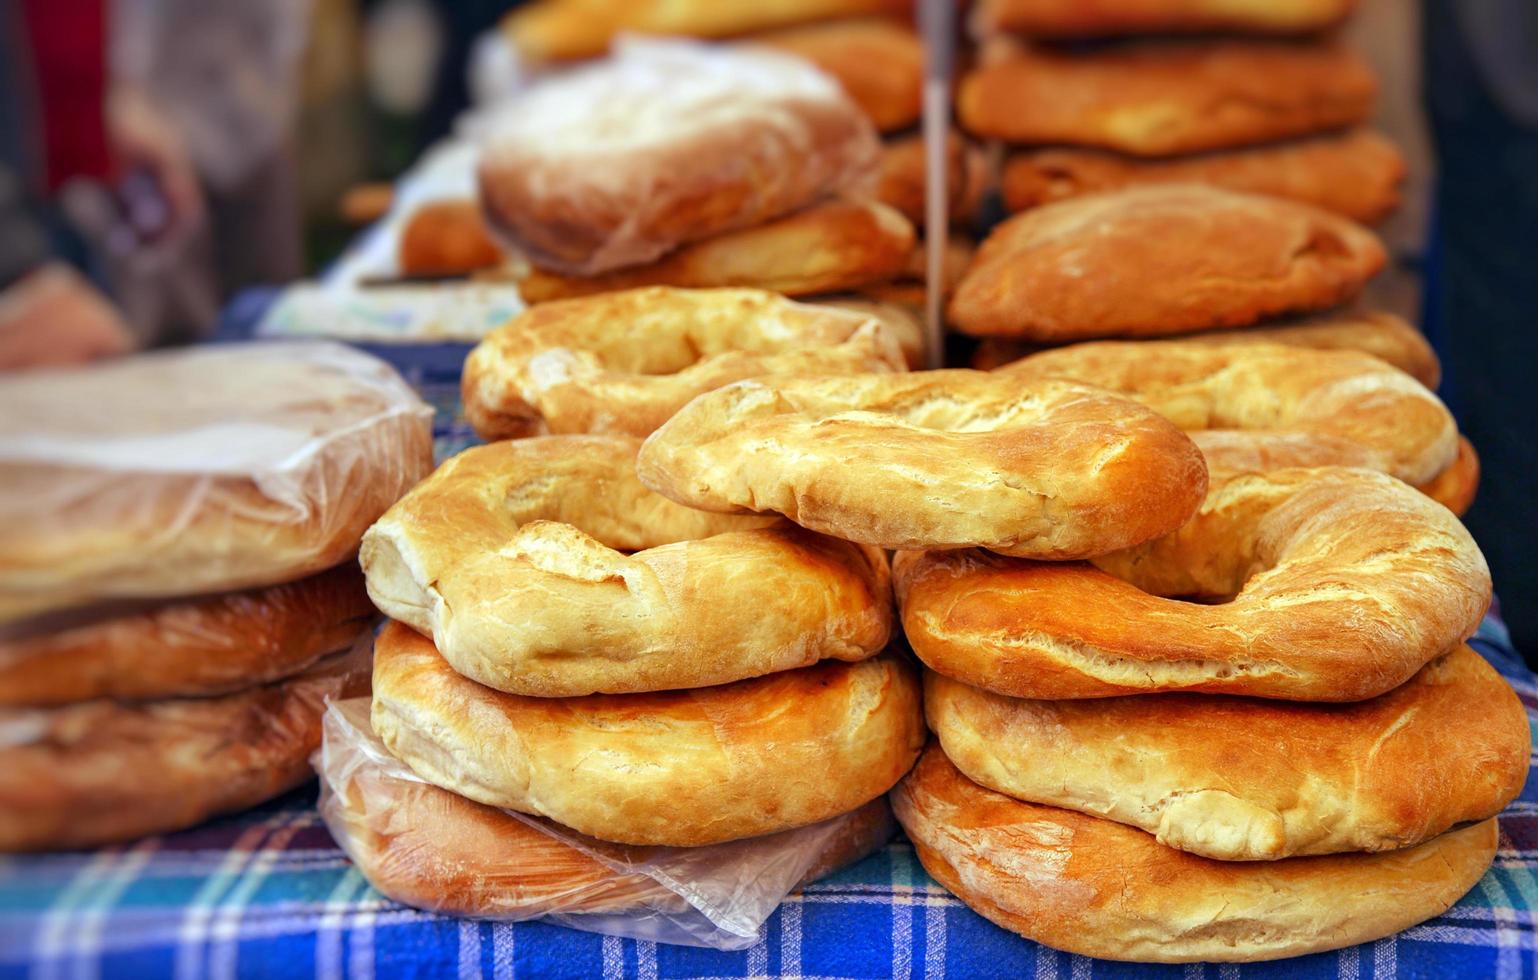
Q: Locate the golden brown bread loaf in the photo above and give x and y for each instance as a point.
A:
(99, 772)
(1098, 888)
(433, 849)
(878, 61)
(1307, 585)
(188, 647)
(826, 248)
(1355, 173)
(1242, 779)
(1357, 409)
(940, 459)
(196, 471)
(902, 177)
(446, 238)
(1383, 335)
(668, 142)
(900, 320)
(512, 556)
(1455, 487)
(1162, 98)
(1105, 18)
(624, 362)
(564, 30)
(681, 768)
(1158, 260)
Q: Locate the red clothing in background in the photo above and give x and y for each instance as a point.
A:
(69, 59)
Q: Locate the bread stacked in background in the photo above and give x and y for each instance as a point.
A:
(178, 591)
(1228, 743)
(571, 646)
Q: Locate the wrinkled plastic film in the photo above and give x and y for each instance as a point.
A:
(716, 896)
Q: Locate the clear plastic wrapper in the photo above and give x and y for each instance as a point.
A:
(667, 141)
(433, 849)
(197, 471)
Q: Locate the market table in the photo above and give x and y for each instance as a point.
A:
(268, 893)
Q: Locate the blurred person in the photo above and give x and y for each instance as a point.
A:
(1481, 92)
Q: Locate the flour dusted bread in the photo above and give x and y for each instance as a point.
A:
(194, 647)
(682, 768)
(940, 459)
(1311, 585)
(512, 556)
(1356, 173)
(1162, 98)
(1243, 779)
(1353, 405)
(433, 849)
(625, 362)
(1098, 888)
(1157, 260)
(878, 61)
(1067, 19)
(829, 247)
(667, 142)
(99, 772)
(188, 472)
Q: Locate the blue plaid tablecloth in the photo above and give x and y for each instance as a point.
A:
(267, 893)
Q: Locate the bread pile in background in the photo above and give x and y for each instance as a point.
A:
(178, 587)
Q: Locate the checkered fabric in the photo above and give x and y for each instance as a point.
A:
(268, 894)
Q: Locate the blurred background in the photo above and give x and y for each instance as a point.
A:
(161, 156)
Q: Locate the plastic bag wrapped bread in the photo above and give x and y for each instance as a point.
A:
(102, 771)
(197, 471)
(432, 849)
(667, 142)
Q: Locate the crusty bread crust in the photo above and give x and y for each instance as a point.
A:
(1073, 19)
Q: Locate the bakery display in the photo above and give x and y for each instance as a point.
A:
(938, 459)
(624, 362)
(1313, 585)
(1383, 335)
(1078, 19)
(196, 471)
(1376, 775)
(1356, 173)
(1158, 98)
(194, 647)
(828, 248)
(96, 772)
(665, 143)
(1356, 409)
(681, 768)
(1166, 259)
(878, 61)
(543, 567)
(1098, 888)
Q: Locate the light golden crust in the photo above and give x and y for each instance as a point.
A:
(100, 772)
(616, 164)
(1383, 335)
(565, 30)
(1099, 888)
(901, 321)
(1308, 585)
(902, 177)
(878, 61)
(186, 648)
(1158, 260)
(204, 470)
(1358, 410)
(1356, 174)
(510, 557)
(941, 459)
(625, 362)
(682, 768)
(1372, 776)
(433, 849)
(446, 238)
(1068, 19)
(826, 248)
(1162, 98)
(1455, 487)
